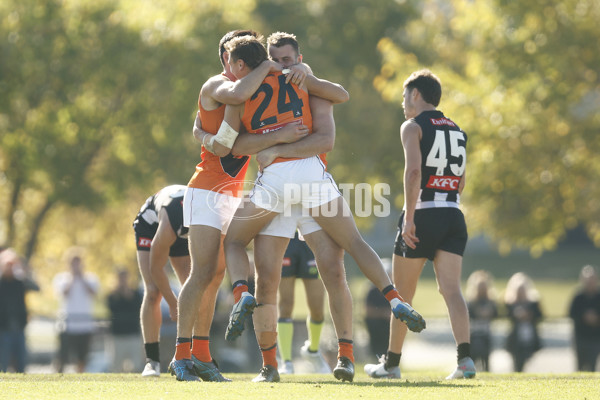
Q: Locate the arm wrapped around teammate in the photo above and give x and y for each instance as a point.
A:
(226, 135)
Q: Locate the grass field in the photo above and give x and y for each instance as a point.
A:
(421, 385)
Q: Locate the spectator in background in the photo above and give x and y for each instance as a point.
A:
(77, 291)
(15, 281)
(585, 313)
(124, 304)
(482, 310)
(523, 307)
(377, 316)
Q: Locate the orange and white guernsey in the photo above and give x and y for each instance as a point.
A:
(218, 174)
(274, 105)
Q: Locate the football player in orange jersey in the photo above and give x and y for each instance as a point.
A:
(321, 141)
(217, 181)
(263, 113)
(284, 48)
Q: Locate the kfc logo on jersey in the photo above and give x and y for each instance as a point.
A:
(442, 121)
(443, 182)
(144, 242)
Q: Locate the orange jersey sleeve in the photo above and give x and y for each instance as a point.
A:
(274, 105)
(218, 174)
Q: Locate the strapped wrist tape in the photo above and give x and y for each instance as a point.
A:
(226, 135)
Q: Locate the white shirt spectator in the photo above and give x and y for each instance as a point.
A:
(77, 294)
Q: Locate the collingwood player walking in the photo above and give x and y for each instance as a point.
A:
(432, 225)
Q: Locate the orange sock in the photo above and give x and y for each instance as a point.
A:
(346, 349)
(183, 349)
(391, 293)
(270, 356)
(237, 292)
(201, 348)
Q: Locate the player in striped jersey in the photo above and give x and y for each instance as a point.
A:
(431, 225)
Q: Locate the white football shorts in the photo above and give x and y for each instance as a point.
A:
(205, 207)
(305, 182)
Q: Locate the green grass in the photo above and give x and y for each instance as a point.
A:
(421, 385)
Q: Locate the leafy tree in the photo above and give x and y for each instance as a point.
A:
(97, 100)
(91, 110)
(521, 78)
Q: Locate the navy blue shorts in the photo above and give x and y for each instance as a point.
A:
(299, 261)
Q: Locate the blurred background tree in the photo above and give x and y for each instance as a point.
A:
(521, 78)
(97, 100)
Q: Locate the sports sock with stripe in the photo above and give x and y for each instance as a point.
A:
(201, 348)
(183, 348)
(239, 287)
(314, 334)
(391, 293)
(346, 349)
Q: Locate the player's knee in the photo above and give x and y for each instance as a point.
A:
(357, 244)
(233, 241)
(334, 275)
(449, 290)
(333, 261)
(152, 295)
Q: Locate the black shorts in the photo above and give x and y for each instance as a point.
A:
(299, 261)
(437, 229)
(144, 233)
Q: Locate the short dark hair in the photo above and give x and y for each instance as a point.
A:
(233, 34)
(248, 49)
(279, 39)
(427, 84)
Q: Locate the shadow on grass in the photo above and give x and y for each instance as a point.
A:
(398, 383)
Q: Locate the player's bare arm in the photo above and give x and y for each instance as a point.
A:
(207, 140)
(320, 141)
(220, 90)
(333, 92)
(297, 72)
(159, 254)
(252, 143)
(410, 133)
(462, 183)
